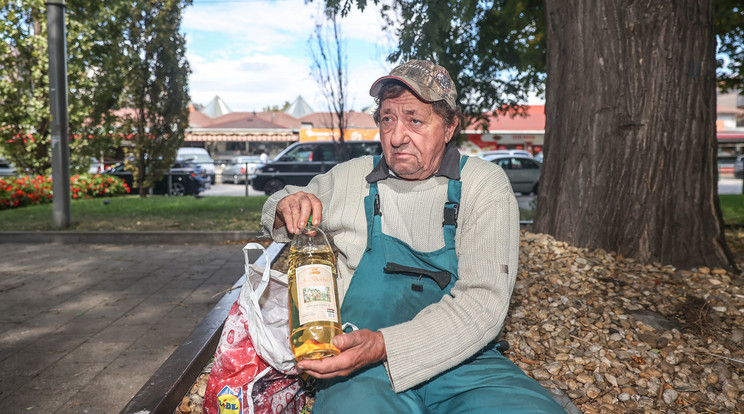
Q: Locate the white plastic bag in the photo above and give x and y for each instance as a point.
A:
(254, 369)
(264, 301)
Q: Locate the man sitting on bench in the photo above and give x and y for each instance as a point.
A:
(428, 247)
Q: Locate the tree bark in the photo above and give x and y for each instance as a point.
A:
(630, 143)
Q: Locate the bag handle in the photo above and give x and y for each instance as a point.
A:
(266, 274)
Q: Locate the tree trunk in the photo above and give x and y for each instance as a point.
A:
(630, 144)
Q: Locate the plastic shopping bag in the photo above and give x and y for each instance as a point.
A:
(254, 369)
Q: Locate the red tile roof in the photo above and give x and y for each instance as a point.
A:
(273, 120)
(242, 121)
(323, 119)
(281, 118)
(198, 119)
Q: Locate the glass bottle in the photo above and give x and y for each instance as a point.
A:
(313, 296)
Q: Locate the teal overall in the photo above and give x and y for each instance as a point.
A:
(392, 284)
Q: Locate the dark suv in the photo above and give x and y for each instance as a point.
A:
(302, 161)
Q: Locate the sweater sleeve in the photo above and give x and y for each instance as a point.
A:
(459, 325)
(320, 185)
(338, 206)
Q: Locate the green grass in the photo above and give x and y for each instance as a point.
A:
(732, 207)
(132, 213)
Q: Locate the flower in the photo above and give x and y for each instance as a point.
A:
(29, 190)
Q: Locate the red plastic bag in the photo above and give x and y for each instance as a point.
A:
(253, 370)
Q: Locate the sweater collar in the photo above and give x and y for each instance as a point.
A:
(450, 167)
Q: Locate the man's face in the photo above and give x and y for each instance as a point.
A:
(413, 136)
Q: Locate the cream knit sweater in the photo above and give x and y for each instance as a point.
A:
(446, 333)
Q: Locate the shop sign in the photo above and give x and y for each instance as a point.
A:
(492, 141)
(327, 134)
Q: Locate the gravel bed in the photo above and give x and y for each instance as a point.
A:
(618, 336)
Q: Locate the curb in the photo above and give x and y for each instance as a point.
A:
(139, 237)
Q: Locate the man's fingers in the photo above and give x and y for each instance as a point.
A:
(358, 349)
(306, 209)
(295, 209)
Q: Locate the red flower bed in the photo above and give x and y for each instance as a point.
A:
(29, 190)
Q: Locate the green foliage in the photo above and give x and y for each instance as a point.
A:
(24, 84)
(495, 51)
(29, 190)
(277, 108)
(157, 89)
(730, 31)
(102, 38)
(96, 185)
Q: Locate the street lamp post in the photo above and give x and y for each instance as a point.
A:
(58, 102)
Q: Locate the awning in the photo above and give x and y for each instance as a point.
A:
(241, 138)
(734, 137)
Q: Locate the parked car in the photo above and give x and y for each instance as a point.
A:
(302, 161)
(185, 178)
(190, 167)
(522, 153)
(199, 156)
(234, 170)
(739, 167)
(523, 172)
(6, 168)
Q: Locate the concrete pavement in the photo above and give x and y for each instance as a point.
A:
(84, 326)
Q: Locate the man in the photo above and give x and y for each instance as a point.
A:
(428, 247)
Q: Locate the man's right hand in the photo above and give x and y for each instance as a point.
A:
(294, 210)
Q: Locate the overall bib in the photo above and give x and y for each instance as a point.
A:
(392, 283)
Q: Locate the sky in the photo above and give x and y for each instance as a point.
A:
(254, 53)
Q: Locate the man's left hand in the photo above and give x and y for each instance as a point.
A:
(358, 349)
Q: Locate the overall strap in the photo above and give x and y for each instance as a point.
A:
(452, 207)
(372, 205)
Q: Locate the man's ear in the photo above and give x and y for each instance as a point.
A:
(449, 131)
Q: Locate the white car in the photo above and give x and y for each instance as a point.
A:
(523, 172)
(6, 168)
(235, 169)
(199, 156)
(521, 153)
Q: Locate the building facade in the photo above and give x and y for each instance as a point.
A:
(225, 133)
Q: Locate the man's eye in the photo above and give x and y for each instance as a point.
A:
(386, 119)
(416, 121)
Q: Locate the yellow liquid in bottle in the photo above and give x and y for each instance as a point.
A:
(313, 338)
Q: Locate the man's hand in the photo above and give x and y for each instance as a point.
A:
(358, 349)
(295, 209)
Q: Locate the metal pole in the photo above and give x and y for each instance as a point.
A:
(245, 178)
(58, 103)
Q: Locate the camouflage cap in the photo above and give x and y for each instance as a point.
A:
(429, 81)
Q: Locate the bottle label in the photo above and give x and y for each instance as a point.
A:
(315, 294)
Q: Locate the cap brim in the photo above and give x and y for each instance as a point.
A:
(377, 86)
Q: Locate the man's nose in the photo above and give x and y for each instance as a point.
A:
(399, 135)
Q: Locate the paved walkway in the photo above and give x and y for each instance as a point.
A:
(84, 326)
